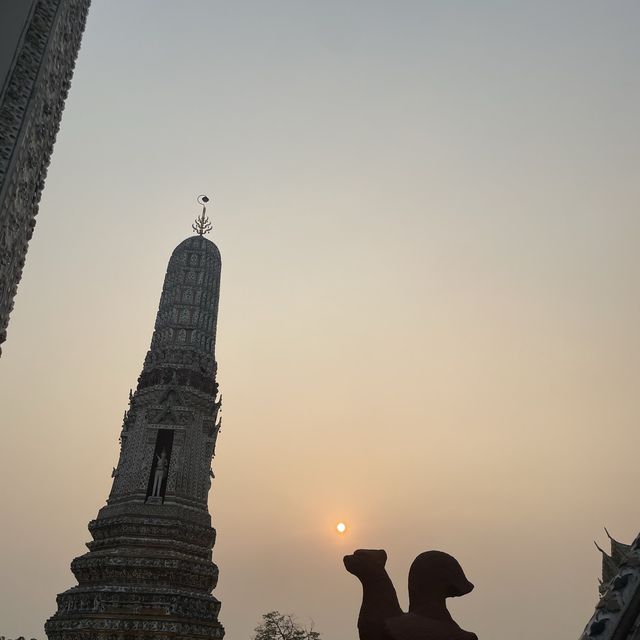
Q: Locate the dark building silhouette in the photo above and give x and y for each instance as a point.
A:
(149, 570)
(617, 614)
(39, 42)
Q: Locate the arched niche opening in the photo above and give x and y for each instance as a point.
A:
(157, 485)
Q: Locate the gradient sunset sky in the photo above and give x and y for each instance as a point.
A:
(428, 214)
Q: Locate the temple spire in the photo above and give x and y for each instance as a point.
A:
(202, 224)
(149, 572)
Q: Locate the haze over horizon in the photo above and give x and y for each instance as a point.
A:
(429, 314)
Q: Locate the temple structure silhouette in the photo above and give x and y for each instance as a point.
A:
(39, 43)
(617, 614)
(149, 571)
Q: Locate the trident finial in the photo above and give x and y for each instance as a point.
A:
(202, 224)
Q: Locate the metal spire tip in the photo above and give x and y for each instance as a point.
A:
(202, 224)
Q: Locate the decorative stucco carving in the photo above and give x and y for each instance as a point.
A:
(31, 105)
(617, 613)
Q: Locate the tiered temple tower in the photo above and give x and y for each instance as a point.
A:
(149, 572)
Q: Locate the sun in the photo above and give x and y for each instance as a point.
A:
(341, 527)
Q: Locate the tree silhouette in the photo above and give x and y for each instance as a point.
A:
(278, 626)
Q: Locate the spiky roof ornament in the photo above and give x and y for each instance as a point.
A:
(202, 224)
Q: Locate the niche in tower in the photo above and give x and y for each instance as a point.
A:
(164, 442)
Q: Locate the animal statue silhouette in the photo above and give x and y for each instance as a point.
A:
(379, 599)
(434, 576)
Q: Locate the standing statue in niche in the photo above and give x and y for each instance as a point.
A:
(160, 474)
(434, 576)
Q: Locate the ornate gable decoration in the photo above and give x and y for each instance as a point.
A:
(173, 410)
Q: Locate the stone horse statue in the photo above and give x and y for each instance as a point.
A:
(434, 576)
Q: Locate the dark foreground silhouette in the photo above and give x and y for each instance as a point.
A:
(434, 576)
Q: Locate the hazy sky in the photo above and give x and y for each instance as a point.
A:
(429, 317)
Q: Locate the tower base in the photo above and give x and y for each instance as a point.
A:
(143, 577)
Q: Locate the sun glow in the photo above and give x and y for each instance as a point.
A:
(341, 527)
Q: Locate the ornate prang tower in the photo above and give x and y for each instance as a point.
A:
(148, 572)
